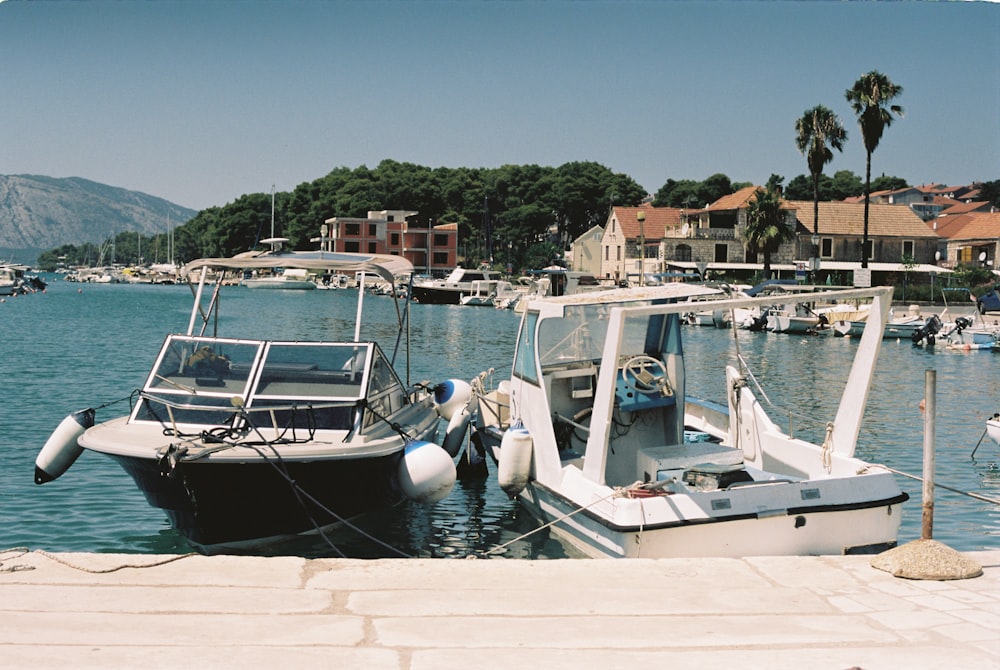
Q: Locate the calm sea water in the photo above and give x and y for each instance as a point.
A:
(79, 346)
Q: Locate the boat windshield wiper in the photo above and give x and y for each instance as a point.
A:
(182, 387)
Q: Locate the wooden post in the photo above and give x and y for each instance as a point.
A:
(930, 407)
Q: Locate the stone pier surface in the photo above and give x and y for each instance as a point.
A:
(79, 611)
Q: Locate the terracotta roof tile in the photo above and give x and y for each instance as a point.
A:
(845, 218)
(954, 207)
(657, 220)
(970, 226)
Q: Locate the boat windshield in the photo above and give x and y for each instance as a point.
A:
(214, 381)
(578, 337)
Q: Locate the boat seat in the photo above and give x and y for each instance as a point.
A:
(656, 463)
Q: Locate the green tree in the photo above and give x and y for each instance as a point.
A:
(990, 192)
(766, 228)
(817, 132)
(845, 184)
(871, 99)
(886, 183)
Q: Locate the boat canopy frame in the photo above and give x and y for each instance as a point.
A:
(388, 267)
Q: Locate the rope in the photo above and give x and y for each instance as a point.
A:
(22, 551)
(828, 448)
(503, 547)
(969, 494)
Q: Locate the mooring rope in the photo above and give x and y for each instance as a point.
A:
(970, 494)
(23, 551)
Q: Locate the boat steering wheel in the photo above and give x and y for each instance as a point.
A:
(638, 378)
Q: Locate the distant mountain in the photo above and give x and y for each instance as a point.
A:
(40, 213)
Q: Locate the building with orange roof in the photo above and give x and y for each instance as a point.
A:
(712, 239)
(970, 238)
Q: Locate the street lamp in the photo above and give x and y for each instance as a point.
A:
(641, 216)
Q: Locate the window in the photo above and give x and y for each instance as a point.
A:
(394, 239)
(908, 248)
(721, 253)
(372, 247)
(352, 229)
(352, 247)
(607, 253)
(372, 230)
(524, 354)
(619, 250)
(440, 240)
(440, 258)
(870, 250)
(826, 247)
(682, 253)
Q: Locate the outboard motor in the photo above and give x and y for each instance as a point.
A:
(961, 323)
(931, 327)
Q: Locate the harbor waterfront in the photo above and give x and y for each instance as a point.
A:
(73, 347)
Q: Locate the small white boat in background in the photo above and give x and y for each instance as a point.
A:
(594, 434)
(288, 279)
(993, 428)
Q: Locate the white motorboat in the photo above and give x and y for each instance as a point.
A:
(483, 293)
(964, 335)
(594, 434)
(294, 279)
(243, 441)
(993, 428)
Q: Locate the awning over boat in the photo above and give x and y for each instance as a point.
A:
(384, 265)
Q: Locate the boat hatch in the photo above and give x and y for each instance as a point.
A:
(220, 382)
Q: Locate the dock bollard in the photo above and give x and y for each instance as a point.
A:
(926, 558)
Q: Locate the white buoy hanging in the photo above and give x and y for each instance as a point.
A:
(458, 426)
(426, 472)
(61, 449)
(514, 467)
(450, 396)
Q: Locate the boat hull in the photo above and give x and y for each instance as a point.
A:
(219, 506)
(993, 429)
(438, 296)
(867, 527)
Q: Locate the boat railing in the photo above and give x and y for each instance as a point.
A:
(219, 411)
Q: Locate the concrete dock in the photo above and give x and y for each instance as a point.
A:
(142, 611)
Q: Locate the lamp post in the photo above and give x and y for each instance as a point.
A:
(814, 261)
(641, 216)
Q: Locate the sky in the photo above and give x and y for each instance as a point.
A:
(202, 102)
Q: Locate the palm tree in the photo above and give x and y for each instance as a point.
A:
(870, 99)
(818, 128)
(765, 227)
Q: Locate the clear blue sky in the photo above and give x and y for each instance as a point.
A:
(201, 102)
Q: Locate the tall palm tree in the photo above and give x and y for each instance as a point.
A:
(765, 227)
(817, 131)
(870, 99)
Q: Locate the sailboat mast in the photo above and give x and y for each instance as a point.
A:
(272, 211)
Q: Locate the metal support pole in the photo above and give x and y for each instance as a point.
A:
(930, 408)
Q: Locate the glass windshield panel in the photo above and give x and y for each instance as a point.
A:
(578, 337)
(524, 355)
(198, 380)
(195, 366)
(386, 394)
(292, 370)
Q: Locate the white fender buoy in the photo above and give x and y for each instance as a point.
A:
(454, 435)
(450, 396)
(514, 468)
(426, 472)
(61, 449)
